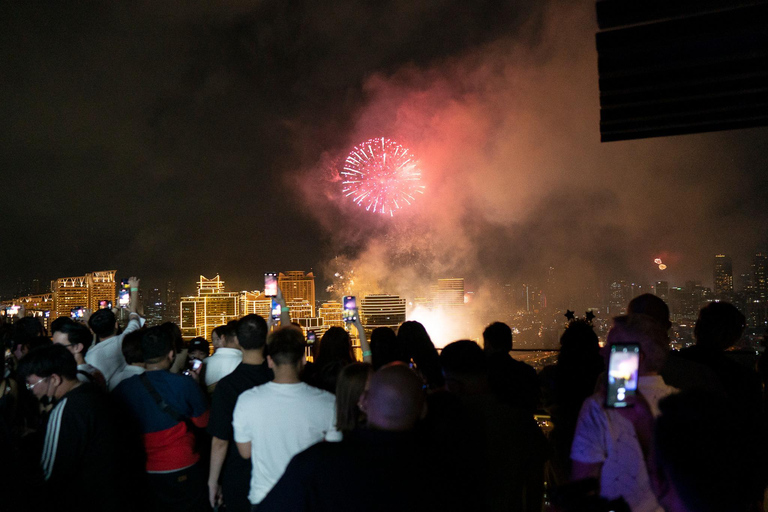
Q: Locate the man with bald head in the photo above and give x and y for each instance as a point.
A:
(376, 468)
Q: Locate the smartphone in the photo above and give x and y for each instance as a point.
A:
(12, 310)
(77, 313)
(623, 367)
(47, 314)
(124, 295)
(270, 284)
(105, 304)
(311, 337)
(276, 310)
(350, 309)
(193, 364)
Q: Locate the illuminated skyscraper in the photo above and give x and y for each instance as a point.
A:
(330, 312)
(213, 306)
(450, 293)
(298, 285)
(662, 290)
(255, 303)
(382, 311)
(759, 277)
(83, 291)
(723, 277)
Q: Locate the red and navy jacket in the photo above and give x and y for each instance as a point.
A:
(169, 444)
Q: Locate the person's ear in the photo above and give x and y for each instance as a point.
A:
(171, 356)
(362, 402)
(78, 348)
(270, 362)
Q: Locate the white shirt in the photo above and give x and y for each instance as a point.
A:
(221, 363)
(280, 420)
(107, 355)
(605, 436)
(126, 372)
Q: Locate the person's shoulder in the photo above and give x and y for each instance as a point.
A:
(318, 394)
(127, 384)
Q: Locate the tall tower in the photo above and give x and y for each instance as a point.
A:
(83, 291)
(723, 277)
(759, 278)
(450, 293)
(213, 306)
(382, 310)
(298, 285)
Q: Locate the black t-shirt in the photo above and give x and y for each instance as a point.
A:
(243, 378)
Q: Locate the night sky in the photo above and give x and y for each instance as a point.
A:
(172, 139)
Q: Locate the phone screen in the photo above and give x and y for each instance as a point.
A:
(623, 367)
(105, 304)
(12, 311)
(270, 284)
(311, 337)
(77, 312)
(350, 309)
(276, 310)
(124, 295)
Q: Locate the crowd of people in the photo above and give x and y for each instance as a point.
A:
(95, 416)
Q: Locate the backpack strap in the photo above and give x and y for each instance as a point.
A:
(161, 403)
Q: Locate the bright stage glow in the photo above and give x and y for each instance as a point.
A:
(381, 176)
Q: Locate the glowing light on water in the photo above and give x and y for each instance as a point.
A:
(381, 176)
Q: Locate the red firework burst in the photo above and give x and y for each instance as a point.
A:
(381, 176)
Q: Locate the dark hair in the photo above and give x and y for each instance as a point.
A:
(385, 347)
(420, 349)
(77, 333)
(28, 327)
(131, 347)
(251, 332)
(174, 334)
(651, 305)
(102, 323)
(59, 322)
(37, 342)
(335, 345)
(350, 386)
(286, 345)
(219, 331)
(497, 337)
(48, 360)
(463, 357)
(703, 449)
(719, 326)
(156, 344)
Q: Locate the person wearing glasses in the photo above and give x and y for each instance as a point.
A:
(82, 438)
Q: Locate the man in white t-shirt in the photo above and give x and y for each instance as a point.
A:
(275, 421)
(613, 445)
(226, 358)
(106, 354)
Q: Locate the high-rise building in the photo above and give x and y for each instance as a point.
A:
(171, 301)
(255, 303)
(723, 277)
(662, 290)
(331, 313)
(83, 291)
(759, 278)
(298, 285)
(300, 308)
(154, 306)
(382, 310)
(211, 307)
(449, 293)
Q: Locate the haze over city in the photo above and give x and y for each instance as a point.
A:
(169, 141)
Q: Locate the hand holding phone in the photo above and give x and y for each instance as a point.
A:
(124, 295)
(623, 368)
(270, 284)
(349, 313)
(276, 310)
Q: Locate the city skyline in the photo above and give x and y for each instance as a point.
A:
(176, 139)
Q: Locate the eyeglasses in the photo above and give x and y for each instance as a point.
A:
(30, 387)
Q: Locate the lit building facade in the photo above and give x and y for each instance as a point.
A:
(211, 307)
(298, 285)
(723, 277)
(255, 303)
(331, 313)
(449, 293)
(83, 291)
(382, 310)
